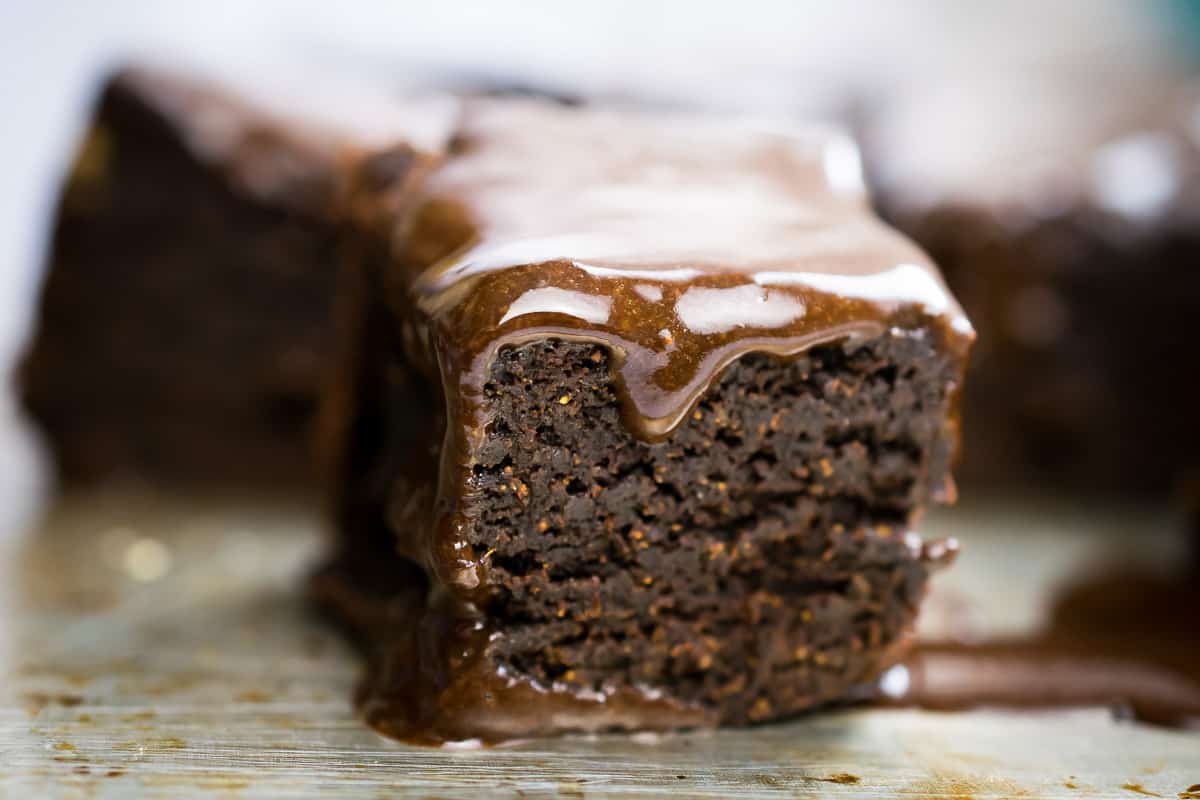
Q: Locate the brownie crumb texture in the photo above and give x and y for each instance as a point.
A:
(756, 563)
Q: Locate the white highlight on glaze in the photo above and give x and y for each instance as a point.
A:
(895, 682)
(707, 311)
(673, 275)
(552, 300)
(843, 165)
(545, 249)
(903, 283)
(747, 198)
(649, 293)
(487, 257)
(584, 694)
(463, 744)
(963, 325)
(1136, 177)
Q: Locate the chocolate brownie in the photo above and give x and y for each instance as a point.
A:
(185, 318)
(1068, 224)
(635, 428)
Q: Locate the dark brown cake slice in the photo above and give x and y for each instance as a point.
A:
(1066, 218)
(185, 318)
(635, 431)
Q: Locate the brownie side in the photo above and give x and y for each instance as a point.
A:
(183, 323)
(1080, 375)
(756, 563)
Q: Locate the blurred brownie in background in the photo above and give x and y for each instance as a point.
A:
(1067, 221)
(185, 316)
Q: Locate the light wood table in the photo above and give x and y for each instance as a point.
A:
(154, 646)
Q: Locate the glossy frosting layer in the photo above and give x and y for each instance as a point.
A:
(682, 242)
(430, 680)
(679, 242)
(667, 197)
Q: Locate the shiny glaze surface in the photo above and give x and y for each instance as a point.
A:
(1127, 641)
(429, 680)
(680, 243)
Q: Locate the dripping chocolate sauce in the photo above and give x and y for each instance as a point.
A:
(1126, 641)
(1122, 640)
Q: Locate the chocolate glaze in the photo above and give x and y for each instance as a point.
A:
(680, 244)
(429, 680)
(1129, 642)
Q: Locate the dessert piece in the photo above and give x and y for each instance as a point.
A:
(1068, 224)
(635, 430)
(185, 318)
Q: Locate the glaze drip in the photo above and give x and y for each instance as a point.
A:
(1124, 641)
(680, 243)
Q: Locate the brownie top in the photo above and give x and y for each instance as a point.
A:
(289, 135)
(683, 242)
(673, 195)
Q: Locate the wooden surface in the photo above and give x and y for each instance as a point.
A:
(160, 647)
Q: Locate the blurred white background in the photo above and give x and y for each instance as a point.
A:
(779, 56)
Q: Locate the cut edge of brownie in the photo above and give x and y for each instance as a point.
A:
(749, 567)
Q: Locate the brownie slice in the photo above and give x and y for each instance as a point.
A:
(185, 317)
(634, 430)
(1069, 226)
